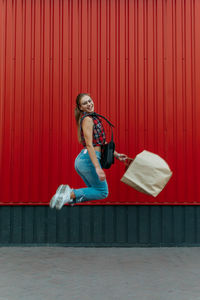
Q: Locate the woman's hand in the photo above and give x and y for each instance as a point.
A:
(122, 157)
(101, 174)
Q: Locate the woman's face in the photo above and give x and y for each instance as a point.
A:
(86, 104)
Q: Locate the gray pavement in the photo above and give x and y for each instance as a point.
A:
(40, 273)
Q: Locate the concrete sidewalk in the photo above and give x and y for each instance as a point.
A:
(41, 273)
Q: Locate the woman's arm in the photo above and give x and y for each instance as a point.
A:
(121, 157)
(87, 126)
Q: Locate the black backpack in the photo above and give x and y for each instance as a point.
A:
(107, 150)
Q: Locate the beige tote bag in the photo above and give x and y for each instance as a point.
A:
(148, 173)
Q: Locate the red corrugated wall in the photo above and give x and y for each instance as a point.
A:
(140, 62)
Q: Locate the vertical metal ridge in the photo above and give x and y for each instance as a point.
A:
(99, 52)
(69, 74)
(50, 97)
(174, 41)
(2, 111)
(184, 92)
(116, 62)
(173, 108)
(107, 62)
(13, 98)
(41, 101)
(155, 91)
(31, 112)
(80, 44)
(89, 58)
(127, 78)
(60, 86)
(194, 80)
(192, 34)
(3, 36)
(118, 52)
(43, 95)
(145, 74)
(163, 77)
(23, 70)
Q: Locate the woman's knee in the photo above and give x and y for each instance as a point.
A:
(104, 194)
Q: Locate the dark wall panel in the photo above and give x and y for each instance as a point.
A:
(100, 226)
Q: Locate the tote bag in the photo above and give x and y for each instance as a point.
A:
(148, 173)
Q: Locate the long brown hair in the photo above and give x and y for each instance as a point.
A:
(78, 113)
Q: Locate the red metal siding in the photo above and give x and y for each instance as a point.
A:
(140, 62)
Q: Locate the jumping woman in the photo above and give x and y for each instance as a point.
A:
(87, 164)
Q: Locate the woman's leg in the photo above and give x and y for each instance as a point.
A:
(95, 189)
(82, 176)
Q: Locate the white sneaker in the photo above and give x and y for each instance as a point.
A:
(59, 194)
(55, 197)
(65, 198)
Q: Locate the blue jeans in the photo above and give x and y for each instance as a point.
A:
(96, 189)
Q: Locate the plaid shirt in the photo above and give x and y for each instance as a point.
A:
(99, 136)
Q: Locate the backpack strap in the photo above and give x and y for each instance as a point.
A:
(95, 114)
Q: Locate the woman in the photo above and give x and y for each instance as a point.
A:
(87, 164)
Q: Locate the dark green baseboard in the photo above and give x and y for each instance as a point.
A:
(100, 226)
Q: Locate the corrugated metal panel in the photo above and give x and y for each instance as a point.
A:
(149, 225)
(138, 60)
